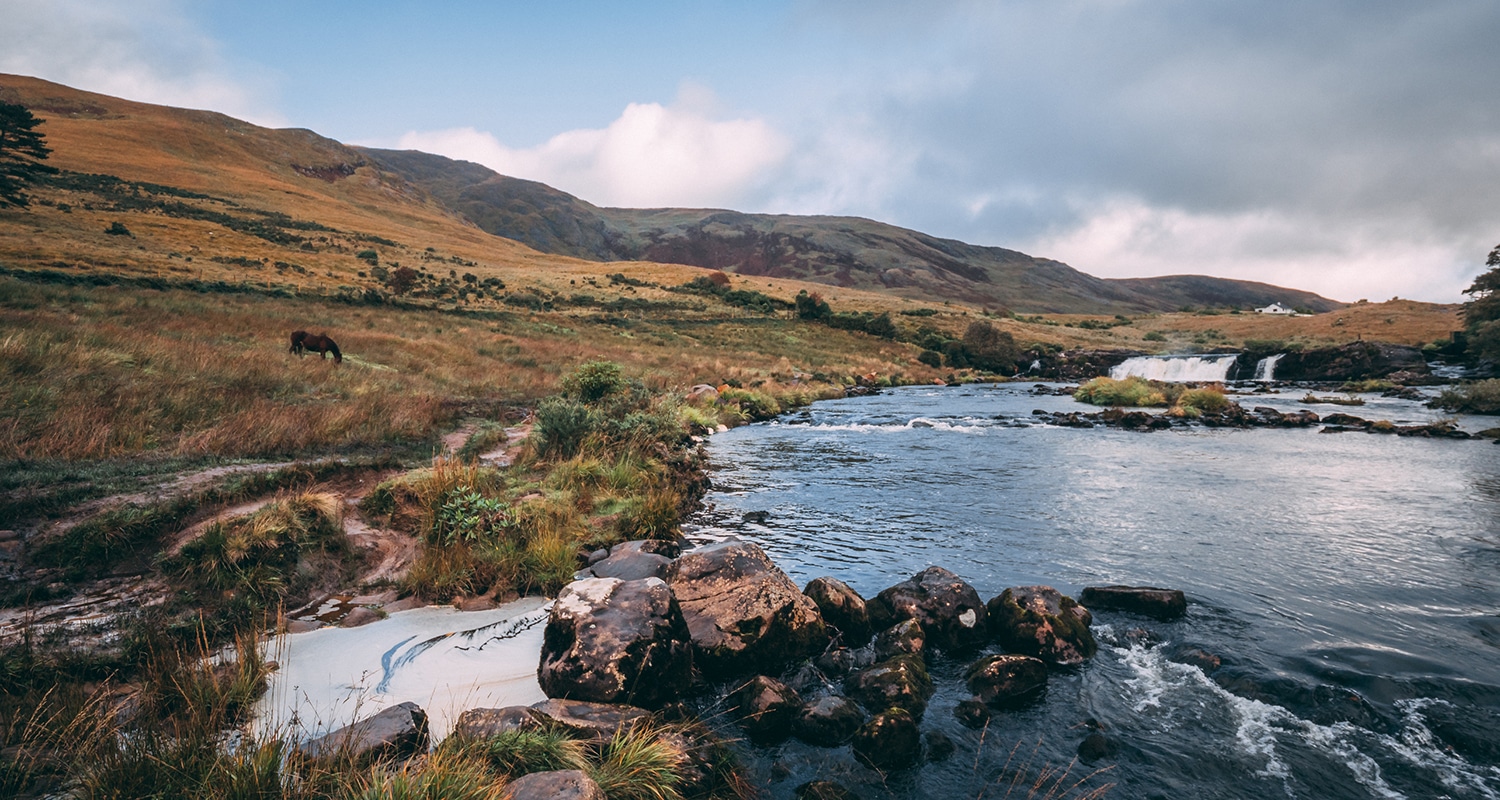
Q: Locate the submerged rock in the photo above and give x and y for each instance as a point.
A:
(742, 612)
(842, 607)
(949, 610)
(614, 641)
(939, 746)
(568, 784)
(1006, 680)
(1041, 621)
(900, 682)
(890, 740)
(828, 721)
(973, 713)
(1096, 746)
(1161, 604)
(824, 790)
(396, 732)
(767, 709)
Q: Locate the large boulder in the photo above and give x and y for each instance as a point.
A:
(842, 607)
(900, 682)
(614, 641)
(628, 565)
(396, 732)
(743, 613)
(1006, 680)
(828, 721)
(890, 740)
(1041, 621)
(948, 609)
(767, 709)
(570, 784)
(1150, 601)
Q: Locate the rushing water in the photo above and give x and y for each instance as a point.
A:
(1350, 583)
(1178, 369)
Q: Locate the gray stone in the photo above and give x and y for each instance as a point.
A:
(1161, 604)
(479, 723)
(767, 709)
(613, 641)
(599, 721)
(1006, 680)
(842, 607)
(903, 638)
(632, 566)
(396, 732)
(900, 682)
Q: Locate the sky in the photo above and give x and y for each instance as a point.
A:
(1347, 147)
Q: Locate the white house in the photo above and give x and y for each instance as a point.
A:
(1274, 308)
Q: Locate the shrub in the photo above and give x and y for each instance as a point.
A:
(990, 348)
(931, 358)
(755, 405)
(561, 426)
(368, 256)
(469, 516)
(1480, 397)
(118, 229)
(593, 381)
(1155, 336)
(1209, 399)
(1132, 391)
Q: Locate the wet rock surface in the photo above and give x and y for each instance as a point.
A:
(1041, 621)
(828, 721)
(1163, 604)
(890, 740)
(1004, 681)
(614, 641)
(841, 607)
(744, 614)
(900, 682)
(599, 721)
(949, 610)
(767, 709)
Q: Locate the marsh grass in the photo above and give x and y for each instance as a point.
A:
(639, 764)
(1182, 400)
(1479, 397)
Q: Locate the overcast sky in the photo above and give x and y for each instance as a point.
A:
(1349, 148)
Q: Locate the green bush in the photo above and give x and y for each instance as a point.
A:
(931, 358)
(1155, 336)
(517, 752)
(755, 405)
(1208, 400)
(469, 516)
(562, 424)
(1132, 391)
(593, 381)
(1480, 397)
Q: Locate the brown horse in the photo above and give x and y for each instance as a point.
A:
(302, 341)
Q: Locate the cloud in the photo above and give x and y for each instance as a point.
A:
(1125, 238)
(147, 50)
(651, 156)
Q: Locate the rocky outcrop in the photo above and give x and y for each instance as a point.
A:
(841, 607)
(890, 740)
(1163, 604)
(900, 682)
(1352, 361)
(1005, 681)
(614, 641)
(767, 708)
(743, 613)
(949, 610)
(396, 732)
(569, 784)
(1041, 621)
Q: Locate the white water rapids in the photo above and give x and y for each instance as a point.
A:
(1176, 369)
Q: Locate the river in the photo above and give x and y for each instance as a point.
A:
(1349, 582)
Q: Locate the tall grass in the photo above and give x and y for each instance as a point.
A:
(1479, 397)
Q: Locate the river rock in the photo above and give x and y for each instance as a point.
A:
(890, 740)
(480, 723)
(598, 721)
(1041, 621)
(1162, 604)
(570, 784)
(828, 721)
(396, 732)
(900, 682)
(842, 607)
(973, 713)
(742, 612)
(767, 709)
(1007, 680)
(632, 566)
(1197, 657)
(667, 548)
(824, 790)
(614, 641)
(948, 609)
(903, 638)
(837, 661)
(1096, 746)
(939, 746)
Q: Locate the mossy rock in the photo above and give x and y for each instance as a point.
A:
(1042, 622)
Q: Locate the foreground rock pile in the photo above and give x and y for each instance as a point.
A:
(822, 664)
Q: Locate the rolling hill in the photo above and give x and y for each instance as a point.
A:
(838, 251)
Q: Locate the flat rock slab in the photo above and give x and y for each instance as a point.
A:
(600, 721)
(632, 566)
(568, 784)
(479, 723)
(1150, 601)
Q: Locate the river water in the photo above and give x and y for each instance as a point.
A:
(1349, 582)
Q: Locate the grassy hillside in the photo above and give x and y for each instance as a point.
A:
(837, 251)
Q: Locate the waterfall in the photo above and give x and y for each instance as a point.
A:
(1177, 369)
(1265, 369)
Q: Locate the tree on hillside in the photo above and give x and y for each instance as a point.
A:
(1482, 314)
(990, 348)
(22, 151)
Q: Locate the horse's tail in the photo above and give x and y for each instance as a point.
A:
(338, 358)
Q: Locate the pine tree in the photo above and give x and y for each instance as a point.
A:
(22, 151)
(1482, 314)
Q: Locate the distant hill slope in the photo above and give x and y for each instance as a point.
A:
(839, 251)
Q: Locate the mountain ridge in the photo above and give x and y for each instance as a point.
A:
(842, 251)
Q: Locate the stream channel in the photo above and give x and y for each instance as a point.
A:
(1349, 582)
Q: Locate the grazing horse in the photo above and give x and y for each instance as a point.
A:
(302, 341)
